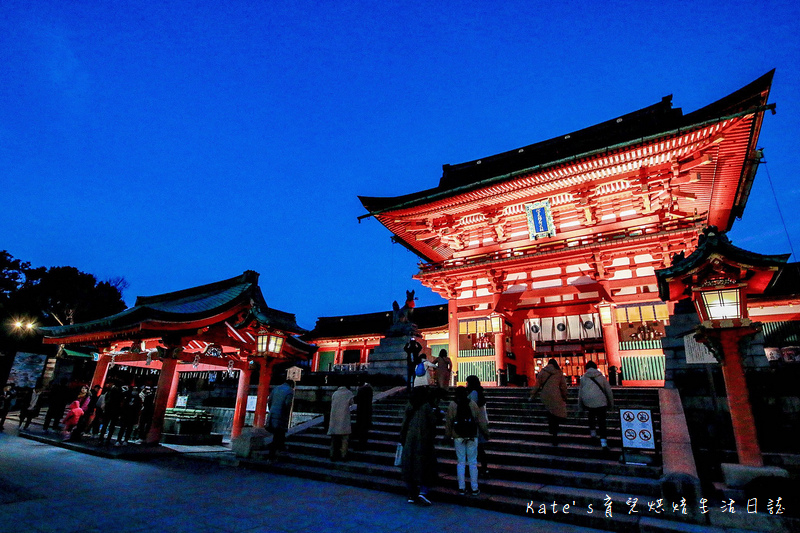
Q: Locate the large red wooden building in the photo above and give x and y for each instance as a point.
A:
(549, 250)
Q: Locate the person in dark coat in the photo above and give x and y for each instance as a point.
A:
(129, 411)
(57, 399)
(417, 435)
(6, 399)
(111, 407)
(363, 416)
(148, 408)
(412, 349)
(280, 409)
(553, 388)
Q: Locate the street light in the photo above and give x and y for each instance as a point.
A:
(23, 325)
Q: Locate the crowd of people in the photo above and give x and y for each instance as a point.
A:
(78, 412)
(98, 412)
(466, 421)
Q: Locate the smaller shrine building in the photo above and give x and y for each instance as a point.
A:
(223, 326)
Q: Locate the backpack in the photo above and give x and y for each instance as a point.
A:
(464, 424)
(421, 370)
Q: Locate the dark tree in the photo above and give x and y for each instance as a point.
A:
(65, 295)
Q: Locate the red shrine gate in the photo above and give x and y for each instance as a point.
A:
(549, 250)
(221, 326)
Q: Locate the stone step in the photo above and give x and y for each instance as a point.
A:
(519, 422)
(528, 440)
(592, 460)
(509, 497)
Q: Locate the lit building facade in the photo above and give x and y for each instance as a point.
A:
(549, 250)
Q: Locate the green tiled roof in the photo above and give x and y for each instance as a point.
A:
(186, 306)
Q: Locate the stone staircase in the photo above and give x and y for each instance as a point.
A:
(573, 482)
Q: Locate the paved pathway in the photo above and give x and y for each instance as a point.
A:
(47, 488)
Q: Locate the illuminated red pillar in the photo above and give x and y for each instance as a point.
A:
(611, 343)
(163, 392)
(173, 389)
(499, 351)
(100, 371)
(452, 334)
(264, 377)
(742, 419)
(240, 412)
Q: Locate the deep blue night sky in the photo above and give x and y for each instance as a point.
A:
(181, 143)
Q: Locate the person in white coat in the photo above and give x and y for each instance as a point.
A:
(339, 427)
(596, 397)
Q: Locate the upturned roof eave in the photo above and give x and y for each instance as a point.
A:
(747, 100)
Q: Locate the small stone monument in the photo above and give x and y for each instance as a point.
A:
(389, 356)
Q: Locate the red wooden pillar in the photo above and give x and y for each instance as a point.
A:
(240, 412)
(163, 393)
(452, 334)
(744, 424)
(173, 389)
(264, 377)
(100, 371)
(499, 352)
(611, 343)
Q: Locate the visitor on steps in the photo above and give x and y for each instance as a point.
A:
(596, 397)
(464, 423)
(550, 383)
(417, 435)
(444, 369)
(424, 372)
(339, 427)
(363, 400)
(412, 349)
(280, 410)
(476, 394)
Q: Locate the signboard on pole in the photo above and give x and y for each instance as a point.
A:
(294, 373)
(637, 429)
(697, 353)
(251, 403)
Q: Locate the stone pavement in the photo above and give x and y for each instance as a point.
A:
(49, 488)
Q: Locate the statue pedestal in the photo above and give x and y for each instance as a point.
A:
(390, 358)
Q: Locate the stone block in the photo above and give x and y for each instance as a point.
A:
(250, 440)
(737, 476)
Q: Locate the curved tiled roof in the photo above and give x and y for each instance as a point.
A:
(431, 316)
(652, 121)
(186, 307)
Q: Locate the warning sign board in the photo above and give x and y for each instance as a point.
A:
(637, 429)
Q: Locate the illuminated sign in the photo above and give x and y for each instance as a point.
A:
(540, 220)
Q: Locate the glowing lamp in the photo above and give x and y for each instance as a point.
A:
(606, 313)
(726, 303)
(269, 343)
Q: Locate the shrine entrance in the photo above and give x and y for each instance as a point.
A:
(573, 364)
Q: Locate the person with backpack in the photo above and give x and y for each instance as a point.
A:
(424, 372)
(596, 397)
(464, 422)
(476, 394)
